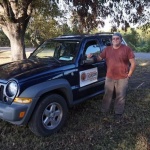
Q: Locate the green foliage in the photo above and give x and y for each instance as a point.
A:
(4, 41)
(46, 8)
(133, 37)
(144, 48)
(43, 30)
(87, 14)
(65, 29)
(48, 21)
(28, 42)
(138, 40)
(145, 27)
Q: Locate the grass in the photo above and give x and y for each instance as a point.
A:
(86, 129)
(5, 56)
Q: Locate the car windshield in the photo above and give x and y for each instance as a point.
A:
(56, 50)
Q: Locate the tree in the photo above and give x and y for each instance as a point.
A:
(132, 38)
(89, 14)
(41, 29)
(14, 18)
(47, 22)
(145, 27)
(129, 12)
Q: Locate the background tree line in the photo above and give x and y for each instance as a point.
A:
(29, 22)
(137, 39)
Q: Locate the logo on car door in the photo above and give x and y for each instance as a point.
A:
(88, 76)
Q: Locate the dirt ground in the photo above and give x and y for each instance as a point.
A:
(141, 76)
(5, 55)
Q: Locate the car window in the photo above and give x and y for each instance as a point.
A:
(60, 50)
(47, 49)
(67, 51)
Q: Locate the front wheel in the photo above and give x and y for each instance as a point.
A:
(49, 116)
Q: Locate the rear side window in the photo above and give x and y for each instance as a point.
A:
(105, 41)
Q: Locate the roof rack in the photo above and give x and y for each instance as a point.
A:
(104, 33)
(83, 35)
(70, 35)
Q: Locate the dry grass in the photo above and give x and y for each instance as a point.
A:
(86, 129)
(5, 56)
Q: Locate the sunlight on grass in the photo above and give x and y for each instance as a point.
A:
(144, 64)
(5, 56)
(141, 142)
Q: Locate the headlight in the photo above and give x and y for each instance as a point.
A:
(11, 89)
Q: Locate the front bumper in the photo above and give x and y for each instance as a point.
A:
(11, 113)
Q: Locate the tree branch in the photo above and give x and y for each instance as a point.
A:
(1, 9)
(8, 13)
(14, 7)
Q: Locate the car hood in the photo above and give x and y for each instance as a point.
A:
(25, 68)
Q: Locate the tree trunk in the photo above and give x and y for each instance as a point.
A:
(15, 33)
(17, 48)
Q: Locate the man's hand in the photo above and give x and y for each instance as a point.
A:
(96, 58)
(132, 67)
(89, 55)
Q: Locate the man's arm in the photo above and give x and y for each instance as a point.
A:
(132, 67)
(99, 58)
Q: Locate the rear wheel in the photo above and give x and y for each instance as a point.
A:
(49, 116)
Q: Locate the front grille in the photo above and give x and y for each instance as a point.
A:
(1, 92)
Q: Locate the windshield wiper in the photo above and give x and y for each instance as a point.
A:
(33, 57)
(54, 58)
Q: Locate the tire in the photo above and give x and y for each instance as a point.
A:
(49, 116)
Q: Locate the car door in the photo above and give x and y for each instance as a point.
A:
(91, 76)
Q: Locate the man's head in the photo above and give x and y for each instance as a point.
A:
(117, 34)
(116, 39)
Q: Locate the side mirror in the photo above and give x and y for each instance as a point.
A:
(88, 61)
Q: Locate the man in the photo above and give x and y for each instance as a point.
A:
(121, 64)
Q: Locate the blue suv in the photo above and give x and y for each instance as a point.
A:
(39, 90)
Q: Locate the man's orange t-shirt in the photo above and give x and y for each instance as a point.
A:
(117, 61)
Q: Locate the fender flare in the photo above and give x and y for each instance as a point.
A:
(39, 89)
